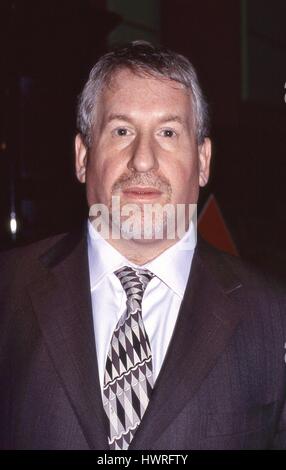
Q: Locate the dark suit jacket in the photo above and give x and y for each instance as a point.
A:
(222, 384)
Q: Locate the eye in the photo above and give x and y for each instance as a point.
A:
(121, 132)
(168, 133)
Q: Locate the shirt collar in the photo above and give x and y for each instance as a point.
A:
(172, 266)
(103, 258)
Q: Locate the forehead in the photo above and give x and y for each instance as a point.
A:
(145, 94)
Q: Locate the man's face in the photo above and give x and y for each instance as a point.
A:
(144, 145)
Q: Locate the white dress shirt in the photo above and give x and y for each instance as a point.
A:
(161, 301)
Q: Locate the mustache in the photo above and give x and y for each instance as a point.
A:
(142, 179)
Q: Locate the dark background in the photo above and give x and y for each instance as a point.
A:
(239, 50)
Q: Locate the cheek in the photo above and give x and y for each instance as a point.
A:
(104, 171)
(183, 177)
(110, 171)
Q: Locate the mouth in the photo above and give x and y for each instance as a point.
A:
(139, 192)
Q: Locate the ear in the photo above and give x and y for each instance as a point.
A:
(80, 159)
(205, 152)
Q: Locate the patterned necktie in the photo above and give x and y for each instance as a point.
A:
(128, 379)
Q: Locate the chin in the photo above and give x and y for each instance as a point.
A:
(144, 235)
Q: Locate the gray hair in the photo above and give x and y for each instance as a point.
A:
(141, 57)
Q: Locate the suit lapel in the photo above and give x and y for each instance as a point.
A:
(61, 299)
(208, 317)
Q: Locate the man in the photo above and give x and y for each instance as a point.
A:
(115, 340)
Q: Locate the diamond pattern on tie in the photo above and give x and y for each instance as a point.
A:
(128, 379)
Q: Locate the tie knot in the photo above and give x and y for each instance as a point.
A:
(134, 281)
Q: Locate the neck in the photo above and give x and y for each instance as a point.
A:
(139, 252)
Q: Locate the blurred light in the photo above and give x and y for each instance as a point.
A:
(13, 223)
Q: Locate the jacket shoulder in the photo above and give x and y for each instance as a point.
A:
(230, 271)
(13, 259)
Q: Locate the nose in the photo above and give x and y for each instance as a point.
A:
(143, 155)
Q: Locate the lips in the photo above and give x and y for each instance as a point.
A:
(142, 192)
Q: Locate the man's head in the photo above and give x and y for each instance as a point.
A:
(143, 129)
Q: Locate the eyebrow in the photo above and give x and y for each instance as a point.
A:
(125, 117)
(172, 117)
(118, 117)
